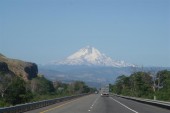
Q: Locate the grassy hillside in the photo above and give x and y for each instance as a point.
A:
(26, 70)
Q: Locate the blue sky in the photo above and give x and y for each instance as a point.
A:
(137, 31)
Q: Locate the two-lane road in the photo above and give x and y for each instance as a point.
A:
(97, 104)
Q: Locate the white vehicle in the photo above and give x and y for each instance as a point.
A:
(105, 91)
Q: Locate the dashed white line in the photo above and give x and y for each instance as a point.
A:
(94, 103)
(124, 105)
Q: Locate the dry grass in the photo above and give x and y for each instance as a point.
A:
(16, 66)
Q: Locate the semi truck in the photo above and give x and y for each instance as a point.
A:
(105, 91)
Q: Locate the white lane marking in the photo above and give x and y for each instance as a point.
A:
(94, 103)
(124, 105)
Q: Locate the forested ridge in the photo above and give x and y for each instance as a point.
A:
(144, 85)
(14, 90)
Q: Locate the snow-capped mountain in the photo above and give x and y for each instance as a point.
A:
(92, 57)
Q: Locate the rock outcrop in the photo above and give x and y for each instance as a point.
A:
(4, 67)
(32, 70)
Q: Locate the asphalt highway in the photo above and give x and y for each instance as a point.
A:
(96, 104)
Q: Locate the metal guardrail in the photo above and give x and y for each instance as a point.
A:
(34, 105)
(158, 103)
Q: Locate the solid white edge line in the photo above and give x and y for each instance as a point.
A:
(123, 105)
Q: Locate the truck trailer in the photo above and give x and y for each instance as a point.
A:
(105, 91)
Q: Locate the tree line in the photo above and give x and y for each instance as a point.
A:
(14, 90)
(144, 85)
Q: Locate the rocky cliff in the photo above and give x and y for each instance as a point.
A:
(26, 70)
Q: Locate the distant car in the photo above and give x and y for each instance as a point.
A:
(96, 92)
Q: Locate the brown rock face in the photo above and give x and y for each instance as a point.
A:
(31, 70)
(26, 70)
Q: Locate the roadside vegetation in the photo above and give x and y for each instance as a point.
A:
(14, 90)
(144, 85)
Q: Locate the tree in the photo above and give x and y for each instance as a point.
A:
(78, 87)
(122, 84)
(17, 92)
(137, 84)
(5, 82)
(142, 84)
(60, 88)
(162, 77)
(163, 85)
(40, 85)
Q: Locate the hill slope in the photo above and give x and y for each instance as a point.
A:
(26, 70)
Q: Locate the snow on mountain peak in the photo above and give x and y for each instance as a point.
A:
(88, 53)
(91, 56)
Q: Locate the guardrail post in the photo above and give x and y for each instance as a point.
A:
(154, 98)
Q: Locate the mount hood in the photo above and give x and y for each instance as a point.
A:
(90, 56)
